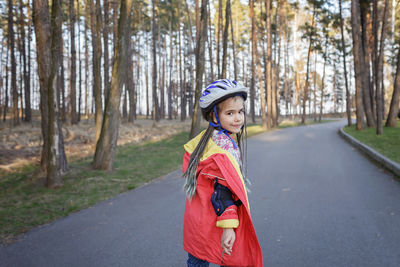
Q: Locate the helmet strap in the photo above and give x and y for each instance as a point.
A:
(219, 127)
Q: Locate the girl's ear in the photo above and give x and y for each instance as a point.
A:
(214, 118)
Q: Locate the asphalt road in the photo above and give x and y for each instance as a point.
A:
(315, 201)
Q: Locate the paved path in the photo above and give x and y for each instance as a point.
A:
(315, 202)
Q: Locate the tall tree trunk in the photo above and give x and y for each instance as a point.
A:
(394, 103)
(41, 22)
(225, 41)
(181, 82)
(74, 118)
(269, 61)
(325, 56)
(233, 48)
(200, 51)
(27, 89)
(358, 61)
(171, 53)
(367, 39)
(253, 62)
(348, 97)
(107, 143)
(210, 49)
(156, 116)
(262, 90)
(14, 89)
(57, 163)
(105, 43)
(219, 26)
(80, 65)
(87, 18)
(379, 70)
(95, 21)
(305, 96)
(130, 84)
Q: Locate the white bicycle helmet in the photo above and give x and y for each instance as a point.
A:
(219, 91)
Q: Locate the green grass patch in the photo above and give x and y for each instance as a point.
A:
(387, 144)
(26, 203)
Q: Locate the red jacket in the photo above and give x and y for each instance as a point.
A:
(202, 228)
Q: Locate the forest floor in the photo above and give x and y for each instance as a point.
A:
(22, 144)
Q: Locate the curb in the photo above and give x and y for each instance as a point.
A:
(389, 164)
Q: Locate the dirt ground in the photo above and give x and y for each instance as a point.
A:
(22, 144)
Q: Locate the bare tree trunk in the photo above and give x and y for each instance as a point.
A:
(41, 21)
(107, 144)
(225, 41)
(105, 43)
(130, 84)
(171, 53)
(321, 104)
(358, 61)
(305, 96)
(156, 116)
(181, 82)
(394, 103)
(27, 89)
(378, 68)
(13, 63)
(367, 87)
(219, 37)
(80, 65)
(200, 51)
(74, 118)
(348, 97)
(57, 163)
(87, 17)
(269, 61)
(233, 48)
(253, 62)
(95, 18)
(210, 51)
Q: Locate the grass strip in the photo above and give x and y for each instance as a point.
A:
(388, 144)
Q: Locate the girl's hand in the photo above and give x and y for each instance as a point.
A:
(227, 239)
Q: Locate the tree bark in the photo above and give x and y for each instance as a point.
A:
(367, 86)
(200, 51)
(107, 144)
(14, 89)
(378, 68)
(225, 40)
(74, 118)
(253, 62)
(95, 23)
(348, 97)
(394, 103)
(57, 163)
(305, 96)
(105, 43)
(233, 47)
(269, 62)
(27, 89)
(41, 22)
(358, 61)
(156, 116)
(181, 82)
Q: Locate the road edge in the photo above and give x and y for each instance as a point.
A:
(373, 154)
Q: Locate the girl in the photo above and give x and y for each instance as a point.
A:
(217, 222)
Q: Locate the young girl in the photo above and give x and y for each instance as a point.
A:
(217, 222)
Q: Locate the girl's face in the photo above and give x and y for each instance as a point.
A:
(231, 114)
